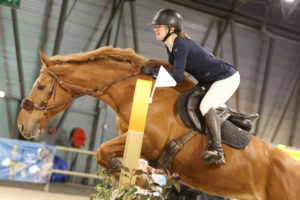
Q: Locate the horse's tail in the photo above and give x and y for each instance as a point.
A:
(283, 180)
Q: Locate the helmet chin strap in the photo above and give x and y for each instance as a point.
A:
(168, 34)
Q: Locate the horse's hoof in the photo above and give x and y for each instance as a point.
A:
(114, 165)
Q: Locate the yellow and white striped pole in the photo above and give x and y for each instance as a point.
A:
(135, 132)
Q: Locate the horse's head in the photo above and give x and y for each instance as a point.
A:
(47, 98)
(64, 78)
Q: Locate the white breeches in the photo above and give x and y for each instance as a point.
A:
(219, 93)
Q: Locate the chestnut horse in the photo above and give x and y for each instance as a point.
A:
(259, 171)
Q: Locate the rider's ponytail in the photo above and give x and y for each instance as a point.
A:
(183, 34)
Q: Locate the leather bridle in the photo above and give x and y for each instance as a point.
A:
(29, 105)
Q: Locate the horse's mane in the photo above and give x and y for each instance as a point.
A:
(104, 53)
(108, 53)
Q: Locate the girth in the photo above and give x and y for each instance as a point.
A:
(170, 151)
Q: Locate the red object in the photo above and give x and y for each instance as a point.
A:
(51, 130)
(78, 137)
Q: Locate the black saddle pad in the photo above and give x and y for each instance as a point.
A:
(231, 134)
(234, 136)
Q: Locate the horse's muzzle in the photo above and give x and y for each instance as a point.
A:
(27, 134)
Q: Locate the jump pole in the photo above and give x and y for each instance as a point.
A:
(135, 132)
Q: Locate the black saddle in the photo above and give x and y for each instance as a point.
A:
(235, 127)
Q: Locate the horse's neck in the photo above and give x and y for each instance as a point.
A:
(119, 95)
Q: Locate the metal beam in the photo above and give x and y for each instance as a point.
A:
(264, 86)
(60, 27)
(11, 98)
(20, 71)
(275, 28)
(278, 101)
(291, 9)
(44, 33)
(18, 52)
(264, 21)
(62, 119)
(7, 78)
(282, 8)
(97, 23)
(133, 24)
(118, 26)
(220, 36)
(12, 124)
(109, 23)
(295, 119)
(239, 4)
(92, 139)
(9, 117)
(235, 60)
(204, 40)
(295, 87)
(113, 8)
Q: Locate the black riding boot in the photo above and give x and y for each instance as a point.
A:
(214, 152)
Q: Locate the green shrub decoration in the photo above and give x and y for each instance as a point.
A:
(107, 190)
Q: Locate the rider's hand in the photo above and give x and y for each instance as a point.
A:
(154, 75)
(148, 70)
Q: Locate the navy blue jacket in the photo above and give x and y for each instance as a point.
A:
(188, 56)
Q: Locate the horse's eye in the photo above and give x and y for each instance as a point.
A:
(40, 87)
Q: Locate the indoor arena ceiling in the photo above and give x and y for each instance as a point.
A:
(281, 17)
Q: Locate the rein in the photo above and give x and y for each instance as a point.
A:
(43, 107)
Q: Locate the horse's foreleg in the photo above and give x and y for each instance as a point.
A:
(108, 152)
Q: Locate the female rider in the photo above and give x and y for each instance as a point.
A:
(220, 78)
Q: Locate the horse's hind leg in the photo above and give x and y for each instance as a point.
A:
(108, 152)
(283, 178)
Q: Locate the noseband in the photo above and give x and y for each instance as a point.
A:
(43, 107)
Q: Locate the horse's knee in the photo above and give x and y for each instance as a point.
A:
(100, 155)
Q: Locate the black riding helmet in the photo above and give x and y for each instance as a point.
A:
(168, 17)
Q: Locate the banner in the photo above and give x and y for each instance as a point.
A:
(164, 79)
(25, 161)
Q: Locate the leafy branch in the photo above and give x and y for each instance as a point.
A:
(153, 190)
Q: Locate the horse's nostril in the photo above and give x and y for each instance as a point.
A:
(21, 127)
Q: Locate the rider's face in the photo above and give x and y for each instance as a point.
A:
(160, 31)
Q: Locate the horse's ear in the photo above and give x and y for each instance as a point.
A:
(44, 59)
